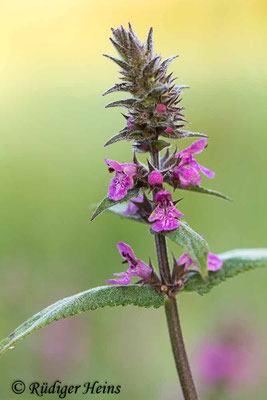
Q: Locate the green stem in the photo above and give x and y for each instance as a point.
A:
(173, 320)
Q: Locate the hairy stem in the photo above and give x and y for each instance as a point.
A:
(178, 349)
(171, 309)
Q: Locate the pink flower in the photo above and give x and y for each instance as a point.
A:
(136, 268)
(169, 129)
(188, 170)
(155, 178)
(130, 122)
(161, 108)
(122, 181)
(221, 362)
(214, 262)
(232, 357)
(132, 208)
(165, 213)
(217, 362)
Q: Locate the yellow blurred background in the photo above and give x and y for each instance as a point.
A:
(53, 126)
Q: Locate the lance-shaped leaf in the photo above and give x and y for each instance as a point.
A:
(92, 299)
(119, 87)
(121, 50)
(158, 145)
(122, 135)
(167, 62)
(157, 90)
(128, 103)
(181, 134)
(234, 262)
(149, 43)
(150, 67)
(121, 63)
(201, 189)
(192, 244)
(107, 203)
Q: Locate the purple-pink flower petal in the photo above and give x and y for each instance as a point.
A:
(185, 260)
(210, 174)
(187, 176)
(130, 122)
(136, 266)
(125, 251)
(132, 207)
(163, 195)
(129, 169)
(197, 147)
(114, 165)
(214, 262)
(123, 179)
(165, 214)
(124, 280)
(165, 224)
(187, 172)
(119, 186)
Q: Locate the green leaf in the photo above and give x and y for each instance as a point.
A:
(192, 243)
(107, 203)
(234, 262)
(122, 135)
(165, 64)
(156, 91)
(92, 299)
(158, 145)
(120, 63)
(149, 42)
(121, 103)
(118, 87)
(201, 189)
(182, 134)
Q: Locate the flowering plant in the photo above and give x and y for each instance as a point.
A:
(153, 112)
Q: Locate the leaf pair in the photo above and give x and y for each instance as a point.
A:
(234, 262)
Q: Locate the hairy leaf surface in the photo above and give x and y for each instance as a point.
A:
(107, 203)
(234, 262)
(103, 296)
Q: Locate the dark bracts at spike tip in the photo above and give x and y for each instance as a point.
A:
(144, 76)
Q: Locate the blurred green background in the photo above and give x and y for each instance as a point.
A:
(53, 126)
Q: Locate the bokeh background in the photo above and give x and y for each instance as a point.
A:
(53, 126)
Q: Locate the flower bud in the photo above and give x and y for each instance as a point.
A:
(130, 122)
(161, 108)
(155, 178)
(169, 129)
